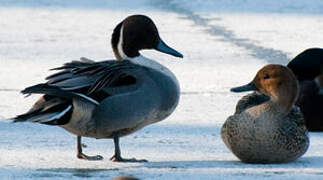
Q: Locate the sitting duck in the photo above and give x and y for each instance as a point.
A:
(267, 127)
(307, 66)
(113, 98)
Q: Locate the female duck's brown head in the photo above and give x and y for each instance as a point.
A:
(135, 33)
(276, 81)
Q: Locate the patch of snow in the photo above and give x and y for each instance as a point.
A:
(253, 6)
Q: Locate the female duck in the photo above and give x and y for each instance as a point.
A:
(110, 99)
(307, 66)
(272, 131)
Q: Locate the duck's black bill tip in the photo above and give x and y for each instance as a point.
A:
(163, 47)
(247, 87)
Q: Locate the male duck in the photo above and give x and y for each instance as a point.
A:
(110, 99)
(272, 131)
(307, 66)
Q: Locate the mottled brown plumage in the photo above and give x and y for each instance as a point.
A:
(267, 127)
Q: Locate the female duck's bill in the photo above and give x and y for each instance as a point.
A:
(248, 87)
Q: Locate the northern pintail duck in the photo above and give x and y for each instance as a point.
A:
(270, 129)
(110, 99)
(307, 66)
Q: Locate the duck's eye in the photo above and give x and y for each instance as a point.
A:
(266, 76)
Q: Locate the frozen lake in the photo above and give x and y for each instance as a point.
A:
(224, 43)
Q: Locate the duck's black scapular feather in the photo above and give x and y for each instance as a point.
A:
(93, 76)
(76, 80)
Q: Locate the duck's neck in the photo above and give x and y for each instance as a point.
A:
(143, 61)
(122, 51)
(117, 43)
(284, 99)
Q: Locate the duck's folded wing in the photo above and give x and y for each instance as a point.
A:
(86, 82)
(296, 116)
(250, 100)
(90, 78)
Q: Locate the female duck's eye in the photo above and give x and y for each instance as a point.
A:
(266, 76)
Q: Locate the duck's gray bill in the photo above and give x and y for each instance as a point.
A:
(163, 47)
(247, 87)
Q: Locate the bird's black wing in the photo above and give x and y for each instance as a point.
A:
(90, 78)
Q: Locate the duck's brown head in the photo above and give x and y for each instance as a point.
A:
(276, 81)
(135, 33)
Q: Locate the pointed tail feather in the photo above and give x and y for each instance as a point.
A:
(46, 117)
(54, 108)
(56, 91)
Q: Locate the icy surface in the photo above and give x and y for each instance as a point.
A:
(224, 43)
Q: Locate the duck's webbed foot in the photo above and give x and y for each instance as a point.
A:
(117, 153)
(89, 158)
(80, 154)
(116, 158)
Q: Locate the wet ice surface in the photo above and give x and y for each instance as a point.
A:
(223, 46)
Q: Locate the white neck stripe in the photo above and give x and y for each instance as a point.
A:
(120, 43)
